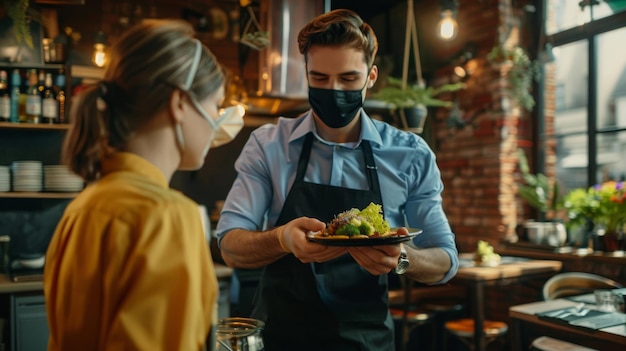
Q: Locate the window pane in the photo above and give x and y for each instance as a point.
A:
(566, 14)
(612, 79)
(611, 153)
(608, 7)
(562, 15)
(571, 153)
(571, 88)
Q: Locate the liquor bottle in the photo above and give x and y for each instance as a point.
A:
(16, 81)
(5, 100)
(60, 96)
(33, 99)
(22, 98)
(49, 103)
(42, 82)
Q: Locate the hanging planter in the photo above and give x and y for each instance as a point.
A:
(408, 101)
(413, 118)
(519, 70)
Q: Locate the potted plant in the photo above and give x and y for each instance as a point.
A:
(602, 209)
(411, 102)
(21, 14)
(537, 191)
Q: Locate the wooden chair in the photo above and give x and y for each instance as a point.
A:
(463, 329)
(406, 312)
(546, 343)
(447, 303)
(425, 304)
(575, 283)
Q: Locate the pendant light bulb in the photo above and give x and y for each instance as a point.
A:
(447, 25)
(99, 56)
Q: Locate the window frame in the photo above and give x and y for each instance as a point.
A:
(588, 32)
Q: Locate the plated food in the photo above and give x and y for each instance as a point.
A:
(365, 227)
(485, 256)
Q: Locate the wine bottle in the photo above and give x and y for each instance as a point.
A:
(60, 96)
(49, 103)
(33, 99)
(41, 86)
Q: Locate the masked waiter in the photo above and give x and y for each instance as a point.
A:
(298, 174)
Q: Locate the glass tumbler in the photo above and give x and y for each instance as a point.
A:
(609, 301)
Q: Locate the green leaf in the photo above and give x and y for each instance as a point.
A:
(414, 94)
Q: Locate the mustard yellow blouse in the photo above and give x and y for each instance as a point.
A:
(128, 267)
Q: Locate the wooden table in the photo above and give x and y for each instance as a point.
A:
(527, 325)
(512, 270)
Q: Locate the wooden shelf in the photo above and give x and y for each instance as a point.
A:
(43, 66)
(39, 126)
(36, 195)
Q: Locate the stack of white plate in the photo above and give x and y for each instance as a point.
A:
(27, 175)
(59, 178)
(5, 179)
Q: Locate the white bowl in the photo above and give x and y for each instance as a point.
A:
(34, 263)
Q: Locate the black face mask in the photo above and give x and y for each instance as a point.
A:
(336, 108)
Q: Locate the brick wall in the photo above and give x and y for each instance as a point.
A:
(478, 155)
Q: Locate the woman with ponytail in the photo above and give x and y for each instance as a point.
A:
(128, 267)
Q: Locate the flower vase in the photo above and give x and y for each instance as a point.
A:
(612, 240)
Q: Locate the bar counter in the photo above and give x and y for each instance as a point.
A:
(607, 264)
(7, 286)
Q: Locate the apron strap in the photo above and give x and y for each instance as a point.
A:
(304, 157)
(370, 167)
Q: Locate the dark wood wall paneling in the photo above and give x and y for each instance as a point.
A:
(114, 16)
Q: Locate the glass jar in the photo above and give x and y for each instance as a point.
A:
(239, 334)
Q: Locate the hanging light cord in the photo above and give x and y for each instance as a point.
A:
(411, 35)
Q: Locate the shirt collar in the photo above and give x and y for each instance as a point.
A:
(129, 162)
(368, 130)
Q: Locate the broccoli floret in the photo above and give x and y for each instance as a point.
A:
(348, 229)
(366, 229)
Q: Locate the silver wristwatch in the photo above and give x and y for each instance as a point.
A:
(403, 261)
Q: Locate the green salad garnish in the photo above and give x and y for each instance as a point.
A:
(373, 214)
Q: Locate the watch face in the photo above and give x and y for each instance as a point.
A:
(403, 265)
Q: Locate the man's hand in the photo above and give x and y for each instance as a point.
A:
(293, 236)
(376, 259)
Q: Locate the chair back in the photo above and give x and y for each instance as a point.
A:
(575, 283)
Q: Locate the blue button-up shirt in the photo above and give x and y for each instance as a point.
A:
(409, 178)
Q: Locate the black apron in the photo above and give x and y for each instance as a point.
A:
(335, 305)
